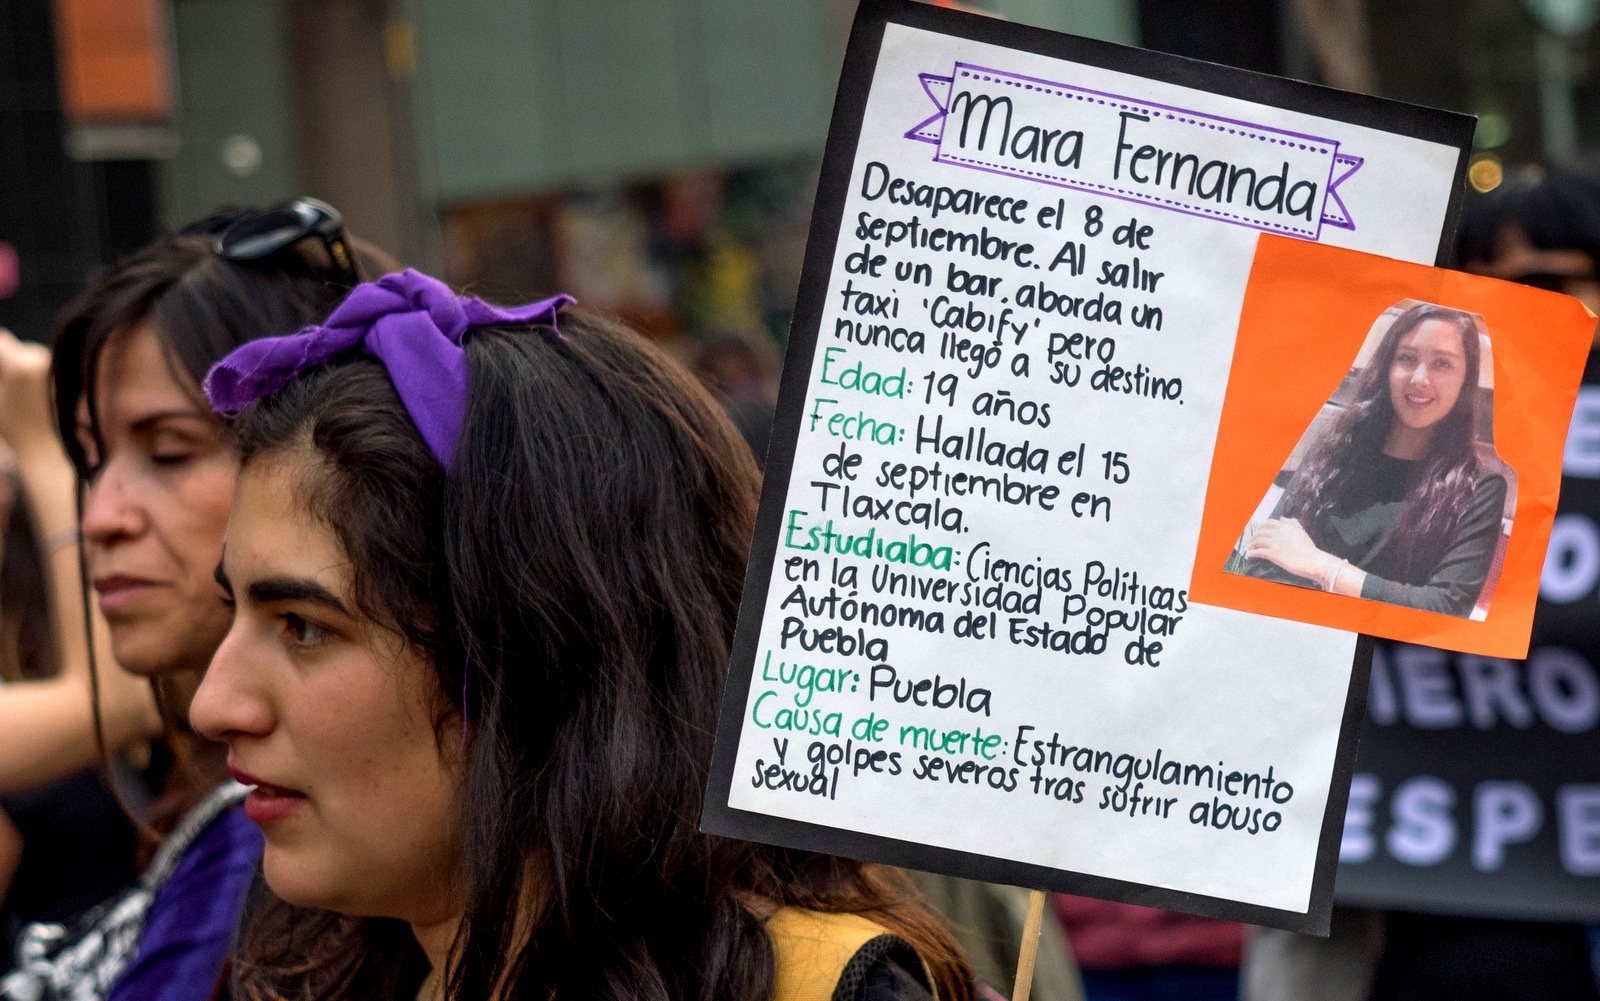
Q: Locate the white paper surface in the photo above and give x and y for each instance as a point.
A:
(1229, 692)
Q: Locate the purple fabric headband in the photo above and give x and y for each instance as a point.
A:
(408, 321)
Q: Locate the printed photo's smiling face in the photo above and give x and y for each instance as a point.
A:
(161, 477)
(331, 717)
(1425, 379)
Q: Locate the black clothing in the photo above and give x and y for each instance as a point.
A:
(1429, 958)
(885, 969)
(1363, 532)
(889, 981)
(77, 850)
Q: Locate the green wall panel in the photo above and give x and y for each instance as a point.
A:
(770, 73)
(528, 95)
(493, 78)
(234, 78)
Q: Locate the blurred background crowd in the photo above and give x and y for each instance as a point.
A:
(656, 159)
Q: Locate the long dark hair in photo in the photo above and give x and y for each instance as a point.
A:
(1438, 499)
(575, 583)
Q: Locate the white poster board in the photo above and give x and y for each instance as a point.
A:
(966, 644)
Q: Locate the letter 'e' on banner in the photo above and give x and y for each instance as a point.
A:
(1390, 445)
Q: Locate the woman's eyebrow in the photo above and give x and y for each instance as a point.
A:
(149, 421)
(305, 589)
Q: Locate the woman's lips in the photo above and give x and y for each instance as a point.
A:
(266, 802)
(119, 590)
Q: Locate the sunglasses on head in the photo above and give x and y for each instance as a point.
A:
(255, 235)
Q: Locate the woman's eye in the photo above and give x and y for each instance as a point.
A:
(171, 456)
(303, 632)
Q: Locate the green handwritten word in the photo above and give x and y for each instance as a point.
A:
(797, 535)
(857, 378)
(812, 721)
(869, 727)
(857, 428)
(973, 742)
(810, 680)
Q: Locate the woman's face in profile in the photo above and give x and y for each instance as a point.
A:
(160, 480)
(1429, 368)
(330, 716)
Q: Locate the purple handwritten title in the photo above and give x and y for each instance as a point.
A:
(1184, 161)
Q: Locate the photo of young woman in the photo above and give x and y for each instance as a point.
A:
(1395, 493)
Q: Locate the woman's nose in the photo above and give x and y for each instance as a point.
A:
(230, 703)
(1419, 375)
(110, 508)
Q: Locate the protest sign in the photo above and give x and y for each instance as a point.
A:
(1477, 783)
(967, 643)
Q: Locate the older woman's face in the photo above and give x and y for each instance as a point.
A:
(331, 717)
(1426, 378)
(160, 482)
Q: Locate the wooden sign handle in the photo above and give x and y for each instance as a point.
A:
(1030, 946)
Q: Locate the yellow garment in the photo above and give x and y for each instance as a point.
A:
(812, 948)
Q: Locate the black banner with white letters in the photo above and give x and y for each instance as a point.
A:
(1477, 782)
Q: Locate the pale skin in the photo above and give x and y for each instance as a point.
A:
(1425, 381)
(332, 718)
(47, 724)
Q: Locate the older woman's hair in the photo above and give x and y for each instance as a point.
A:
(199, 306)
(575, 583)
(1438, 499)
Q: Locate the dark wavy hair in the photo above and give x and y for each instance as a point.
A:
(575, 584)
(199, 305)
(1438, 499)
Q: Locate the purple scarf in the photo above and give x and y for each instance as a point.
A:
(410, 322)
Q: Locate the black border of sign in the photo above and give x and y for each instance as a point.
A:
(832, 191)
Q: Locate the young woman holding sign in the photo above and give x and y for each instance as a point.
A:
(486, 565)
(1392, 503)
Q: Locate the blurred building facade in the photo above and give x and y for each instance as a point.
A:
(654, 157)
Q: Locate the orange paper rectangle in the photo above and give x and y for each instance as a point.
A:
(114, 64)
(1389, 453)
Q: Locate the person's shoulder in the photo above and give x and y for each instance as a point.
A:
(1491, 484)
(885, 980)
(221, 853)
(823, 956)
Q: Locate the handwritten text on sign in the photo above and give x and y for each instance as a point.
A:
(976, 632)
(1188, 161)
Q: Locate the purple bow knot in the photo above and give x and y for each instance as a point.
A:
(410, 322)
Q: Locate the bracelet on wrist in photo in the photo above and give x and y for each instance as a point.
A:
(1330, 580)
